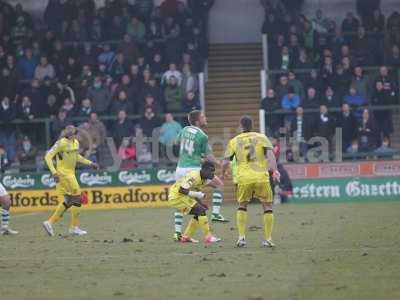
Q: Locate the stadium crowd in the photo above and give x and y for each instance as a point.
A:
(324, 75)
(79, 63)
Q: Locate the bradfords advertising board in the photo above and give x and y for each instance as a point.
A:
(346, 189)
(98, 198)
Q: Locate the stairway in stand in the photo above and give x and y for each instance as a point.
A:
(232, 90)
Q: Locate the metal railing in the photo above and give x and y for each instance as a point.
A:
(48, 121)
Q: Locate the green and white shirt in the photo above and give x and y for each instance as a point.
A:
(193, 147)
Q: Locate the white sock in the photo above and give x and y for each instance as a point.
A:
(5, 217)
(178, 221)
(216, 201)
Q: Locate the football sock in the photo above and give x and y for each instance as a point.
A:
(191, 227)
(203, 223)
(268, 223)
(5, 217)
(61, 208)
(178, 221)
(75, 212)
(241, 221)
(216, 202)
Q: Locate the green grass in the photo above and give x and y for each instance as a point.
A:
(324, 251)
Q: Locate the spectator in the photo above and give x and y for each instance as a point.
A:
(153, 89)
(173, 95)
(320, 23)
(136, 29)
(189, 80)
(285, 59)
(129, 49)
(393, 59)
(290, 101)
(27, 65)
(121, 103)
(144, 156)
(172, 72)
(106, 56)
(388, 83)
(382, 97)
(360, 82)
(331, 98)
(127, 154)
(59, 124)
(118, 66)
(353, 149)
(99, 95)
(149, 102)
(69, 107)
(121, 128)
(51, 107)
(303, 61)
(44, 70)
(350, 25)
(367, 134)
(8, 83)
(348, 123)
(27, 155)
(26, 111)
(312, 99)
(282, 88)
(296, 84)
(314, 81)
(355, 99)
(149, 122)
(270, 104)
(324, 124)
(385, 151)
(98, 132)
(131, 90)
(363, 47)
(86, 108)
(71, 70)
(168, 134)
(341, 81)
(190, 103)
(20, 31)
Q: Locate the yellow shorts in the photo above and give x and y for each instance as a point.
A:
(68, 185)
(183, 203)
(260, 190)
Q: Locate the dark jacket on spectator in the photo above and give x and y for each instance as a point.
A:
(367, 135)
(348, 124)
(120, 130)
(101, 99)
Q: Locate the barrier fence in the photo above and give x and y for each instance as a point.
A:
(334, 182)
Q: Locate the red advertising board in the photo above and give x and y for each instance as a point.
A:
(344, 169)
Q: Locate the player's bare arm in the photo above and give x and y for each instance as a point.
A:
(272, 165)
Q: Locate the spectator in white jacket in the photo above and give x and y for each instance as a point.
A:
(172, 72)
(44, 69)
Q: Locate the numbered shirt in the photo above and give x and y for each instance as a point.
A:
(66, 155)
(193, 147)
(249, 150)
(191, 181)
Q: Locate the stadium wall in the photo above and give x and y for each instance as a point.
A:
(335, 182)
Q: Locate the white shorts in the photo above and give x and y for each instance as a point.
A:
(180, 172)
(3, 191)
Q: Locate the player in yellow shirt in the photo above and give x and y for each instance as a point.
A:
(186, 196)
(66, 154)
(254, 157)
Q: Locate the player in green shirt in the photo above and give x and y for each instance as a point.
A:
(194, 149)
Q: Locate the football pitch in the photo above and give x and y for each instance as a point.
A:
(324, 251)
